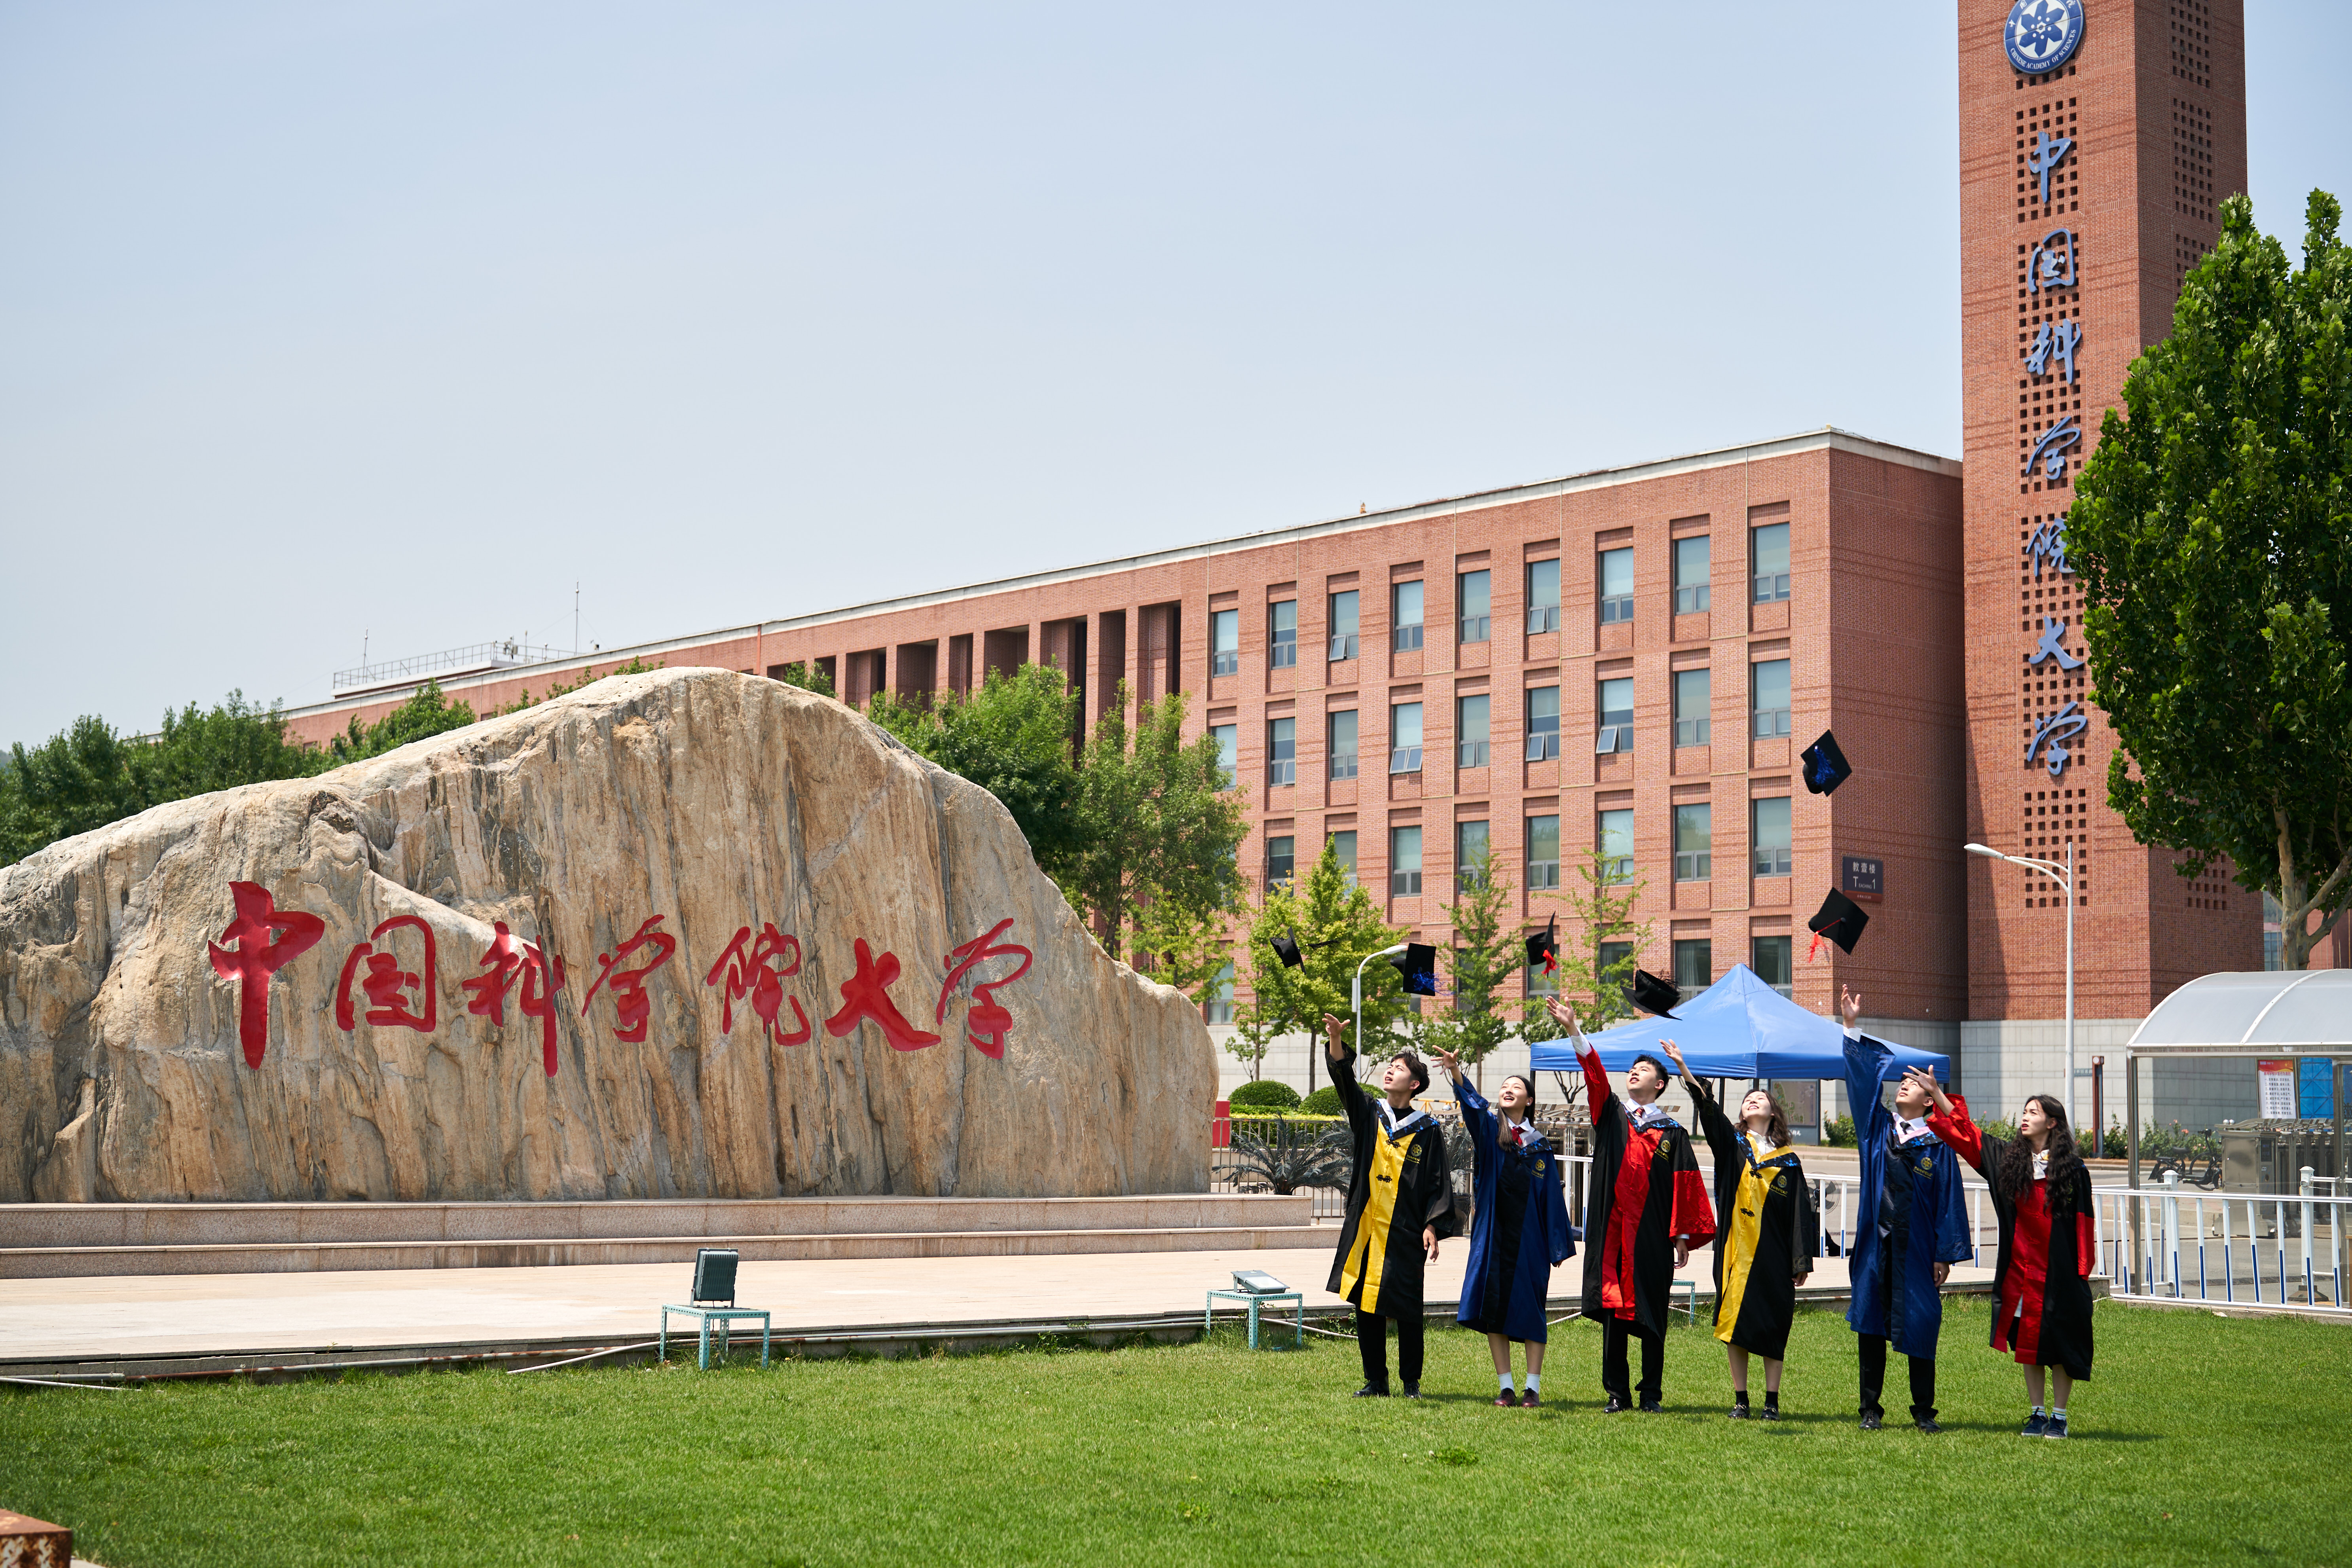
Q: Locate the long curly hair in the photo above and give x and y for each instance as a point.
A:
(2016, 1172)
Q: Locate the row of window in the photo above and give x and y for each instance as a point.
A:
(1694, 697)
(1474, 602)
(1767, 837)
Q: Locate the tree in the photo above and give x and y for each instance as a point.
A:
(808, 677)
(1485, 953)
(2212, 534)
(426, 712)
(1336, 926)
(1011, 738)
(1159, 827)
(1599, 918)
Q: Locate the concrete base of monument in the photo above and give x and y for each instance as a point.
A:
(71, 1240)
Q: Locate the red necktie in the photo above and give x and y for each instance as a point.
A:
(1517, 1142)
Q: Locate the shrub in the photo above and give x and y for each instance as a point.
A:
(1839, 1133)
(1265, 1094)
(2116, 1144)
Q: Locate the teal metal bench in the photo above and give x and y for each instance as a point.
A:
(714, 1301)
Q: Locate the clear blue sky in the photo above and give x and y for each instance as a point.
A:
(325, 320)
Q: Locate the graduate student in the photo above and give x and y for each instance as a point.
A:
(1649, 1203)
(1909, 1230)
(1765, 1243)
(1519, 1233)
(2042, 1194)
(1399, 1201)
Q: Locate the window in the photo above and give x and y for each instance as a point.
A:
(1693, 842)
(1343, 744)
(1616, 586)
(1343, 625)
(1218, 1007)
(1616, 841)
(1770, 959)
(1471, 843)
(1405, 617)
(1281, 858)
(1543, 724)
(1282, 752)
(1343, 850)
(1404, 738)
(1539, 983)
(1282, 634)
(1693, 966)
(1543, 852)
(1404, 862)
(1470, 736)
(1690, 575)
(1543, 596)
(1616, 963)
(1694, 690)
(1769, 550)
(1474, 605)
(1770, 833)
(1226, 738)
(1224, 642)
(1616, 728)
(1768, 687)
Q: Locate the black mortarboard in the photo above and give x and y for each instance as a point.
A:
(1544, 949)
(1825, 765)
(1841, 920)
(1418, 964)
(1286, 948)
(1652, 995)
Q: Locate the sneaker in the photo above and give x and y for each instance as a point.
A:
(1531, 1400)
(2036, 1426)
(1615, 1407)
(1927, 1424)
(1770, 1412)
(1739, 1413)
(1650, 1407)
(1413, 1390)
(2056, 1427)
(1870, 1421)
(1508, 1399)
(1371, 1391)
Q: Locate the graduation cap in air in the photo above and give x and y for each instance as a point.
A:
(1418, 964)
(1841, 920)
(1286, 948)
(1825, 765)
(1652, 995)
(1543, 948)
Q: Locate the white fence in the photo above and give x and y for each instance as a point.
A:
(2176, 1244)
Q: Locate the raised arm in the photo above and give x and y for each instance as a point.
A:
(1597, 1093)
(1865, 1059)
(1951, 1122)
(1477, 1114)
(1343, 1073)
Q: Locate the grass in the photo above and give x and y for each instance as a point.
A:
(2201, 1440)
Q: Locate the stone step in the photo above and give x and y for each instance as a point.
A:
(55, 1226)
(249, 1257)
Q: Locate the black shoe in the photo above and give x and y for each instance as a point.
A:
(1870, 1422)
(1926, 1423)
(1649, 1407)
(1771, 1413)
(1413, 1390)
(1615, 1407)
(1739, 1413)
(2036, 1426)
(1371, 1391)
(2057, 1427)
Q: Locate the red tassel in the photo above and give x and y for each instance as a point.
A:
(1814, 951)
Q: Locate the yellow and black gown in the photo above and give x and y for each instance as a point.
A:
(1400, 1188)
(1765, 1235)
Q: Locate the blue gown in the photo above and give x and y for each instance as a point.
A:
(1912, 1313)
(1519, 1233)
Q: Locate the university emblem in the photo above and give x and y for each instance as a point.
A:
(2040, 34)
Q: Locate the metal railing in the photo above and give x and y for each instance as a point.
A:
(473, 656)
(2270, 1249)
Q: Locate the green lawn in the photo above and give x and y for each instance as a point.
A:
(2201, 1440)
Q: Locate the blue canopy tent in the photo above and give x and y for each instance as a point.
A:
(1736, 1027)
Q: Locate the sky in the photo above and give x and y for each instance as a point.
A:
(332, 328)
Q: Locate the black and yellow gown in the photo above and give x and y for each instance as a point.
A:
(1400, 1188)
(1766, 1232)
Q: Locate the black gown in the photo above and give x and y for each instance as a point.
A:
(2047, 1246)
(1400, 1188)
(1766, 1234)
(1646, 1189)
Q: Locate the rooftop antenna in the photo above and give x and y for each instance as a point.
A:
(575, 616)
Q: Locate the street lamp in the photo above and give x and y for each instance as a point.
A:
(2063, 875)
(1357, 991)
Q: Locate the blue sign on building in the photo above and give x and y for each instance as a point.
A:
(2042, 35)
(2315, 1087)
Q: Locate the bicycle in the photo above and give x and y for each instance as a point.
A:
(2206, 1179)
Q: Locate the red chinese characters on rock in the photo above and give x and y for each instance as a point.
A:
(866, 995)
(633, 1008)
(387, 985)
(758, 969)
(988, 1025)
(507, 962)
(255, 957)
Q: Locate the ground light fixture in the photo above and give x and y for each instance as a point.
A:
(2062, 873)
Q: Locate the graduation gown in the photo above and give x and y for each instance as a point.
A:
(2047, 1243)
(1519, 1233)
(1400, 1188)
(1767, 1233)
(1912, 1313)
(1646, 1191)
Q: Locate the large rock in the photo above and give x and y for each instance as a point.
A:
(715, 801)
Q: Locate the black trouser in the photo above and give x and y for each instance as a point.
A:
(1874, 1378)
(1372, 1344)
(1613, 1368)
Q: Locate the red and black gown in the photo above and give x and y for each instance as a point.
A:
(1647, 1190)
(2048, 1241)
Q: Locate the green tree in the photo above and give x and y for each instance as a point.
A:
(427, 713)
(1336, 926)
(1488, 948)
(808, 677)
(1600, 945)
(1159, 827)
(2212, 534)
(234, 743)
(1011, 738)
